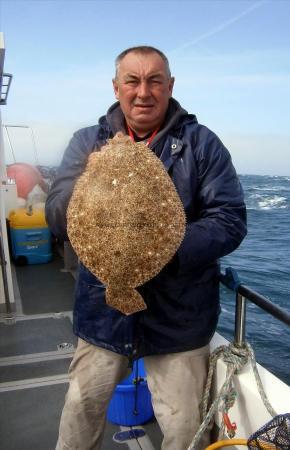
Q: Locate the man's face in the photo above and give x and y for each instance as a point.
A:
(143, 89)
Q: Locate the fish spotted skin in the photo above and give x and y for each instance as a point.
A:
(125, 219)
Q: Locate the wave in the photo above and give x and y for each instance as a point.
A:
(268, 189)
(227, 311)
(257, 201)
(274, 202)
(282, 177)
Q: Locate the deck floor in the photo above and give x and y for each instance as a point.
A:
(45, 288)
(36, 348)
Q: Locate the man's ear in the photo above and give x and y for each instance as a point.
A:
(171, 84)
(116, 88)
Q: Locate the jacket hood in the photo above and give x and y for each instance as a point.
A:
(175, 117)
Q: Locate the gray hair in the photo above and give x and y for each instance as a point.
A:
(143, 50)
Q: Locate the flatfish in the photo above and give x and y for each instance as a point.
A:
(125, 219)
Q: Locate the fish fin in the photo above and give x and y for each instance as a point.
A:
(127, 300)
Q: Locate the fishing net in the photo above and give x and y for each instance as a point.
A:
(274, 435)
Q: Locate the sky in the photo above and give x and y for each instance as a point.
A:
(230, 59)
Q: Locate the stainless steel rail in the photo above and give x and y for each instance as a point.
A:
(231, 280)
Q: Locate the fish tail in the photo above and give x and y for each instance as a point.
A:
(127, 300)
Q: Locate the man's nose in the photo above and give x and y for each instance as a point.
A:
(144, 89)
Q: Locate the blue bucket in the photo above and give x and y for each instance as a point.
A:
(125, 407)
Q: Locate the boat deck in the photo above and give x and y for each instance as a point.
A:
(36, 348)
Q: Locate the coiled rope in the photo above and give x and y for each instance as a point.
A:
(236, 357)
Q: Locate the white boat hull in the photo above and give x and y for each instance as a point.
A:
(249, 412)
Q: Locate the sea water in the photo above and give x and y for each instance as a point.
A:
(263, 263)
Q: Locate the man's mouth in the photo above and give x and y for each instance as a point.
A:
(143, 106)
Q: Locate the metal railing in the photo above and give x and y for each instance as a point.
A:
(5, 86)
(26, 127)
(231, 280)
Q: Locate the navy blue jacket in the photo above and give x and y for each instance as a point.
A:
(183, 299)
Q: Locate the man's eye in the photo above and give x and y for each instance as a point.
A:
(132, 82)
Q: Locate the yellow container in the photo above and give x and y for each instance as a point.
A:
(23, 218)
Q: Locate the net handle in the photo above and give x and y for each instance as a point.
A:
(227, 443)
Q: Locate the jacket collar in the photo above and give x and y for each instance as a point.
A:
(166, 143)
(175, 117)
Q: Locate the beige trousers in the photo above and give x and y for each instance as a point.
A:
(176, 382)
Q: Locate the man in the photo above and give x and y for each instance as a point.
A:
(173, 333)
